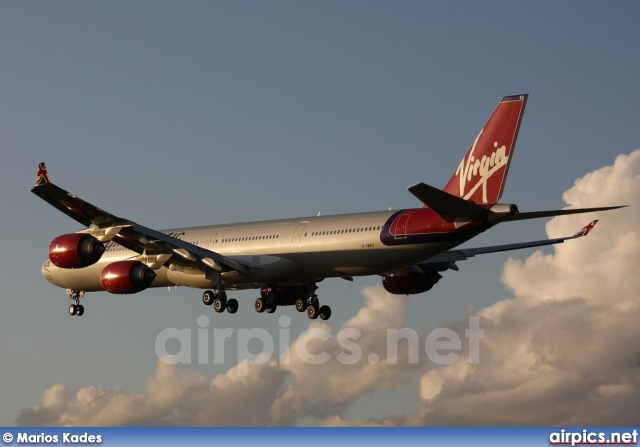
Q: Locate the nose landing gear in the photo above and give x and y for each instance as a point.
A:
(76, 308)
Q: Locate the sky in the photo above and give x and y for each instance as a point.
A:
(192, 113)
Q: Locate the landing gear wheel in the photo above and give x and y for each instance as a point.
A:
(271, 298)
(232, 306)
(259, 305)
(301, 304)
(325, 312)
(76, 308)
(271, 308)
(208, 297)
(219, 304)
(313, 311)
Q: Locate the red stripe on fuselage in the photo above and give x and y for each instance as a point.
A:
(422, 225)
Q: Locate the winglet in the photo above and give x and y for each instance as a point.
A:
(43, 175)
(586, 229)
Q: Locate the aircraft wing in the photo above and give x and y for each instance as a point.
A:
(153, 245)
(447, 259)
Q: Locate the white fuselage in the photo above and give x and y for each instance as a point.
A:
(287, 251)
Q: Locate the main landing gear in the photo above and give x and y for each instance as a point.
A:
(219, 300)
(314, 310)
(268, 301)
(76, 308)
(303, 297)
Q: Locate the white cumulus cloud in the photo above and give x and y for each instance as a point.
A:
(264, 393)
(565, 349)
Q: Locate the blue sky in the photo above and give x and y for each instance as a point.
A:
(191, 113)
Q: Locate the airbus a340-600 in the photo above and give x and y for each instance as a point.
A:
(285, 259)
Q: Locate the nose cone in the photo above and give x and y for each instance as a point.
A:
(46, 270)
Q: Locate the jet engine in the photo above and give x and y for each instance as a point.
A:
(75, 250)
(410, 281)
(125, 277)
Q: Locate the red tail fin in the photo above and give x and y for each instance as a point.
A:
(481, 175)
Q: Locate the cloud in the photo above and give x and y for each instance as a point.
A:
(170, 398)
(565, 349)
(326, 390)
(270, 393)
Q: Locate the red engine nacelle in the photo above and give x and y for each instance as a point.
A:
(124, 277)
(75, 250)
(410, 281)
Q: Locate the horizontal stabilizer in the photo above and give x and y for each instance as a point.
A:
(552, 213)
(446, 204)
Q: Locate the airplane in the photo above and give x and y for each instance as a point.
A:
(285, 259)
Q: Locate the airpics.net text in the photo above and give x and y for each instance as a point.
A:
(314, 346)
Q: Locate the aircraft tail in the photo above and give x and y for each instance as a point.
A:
(477, 184)
(481, 175)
